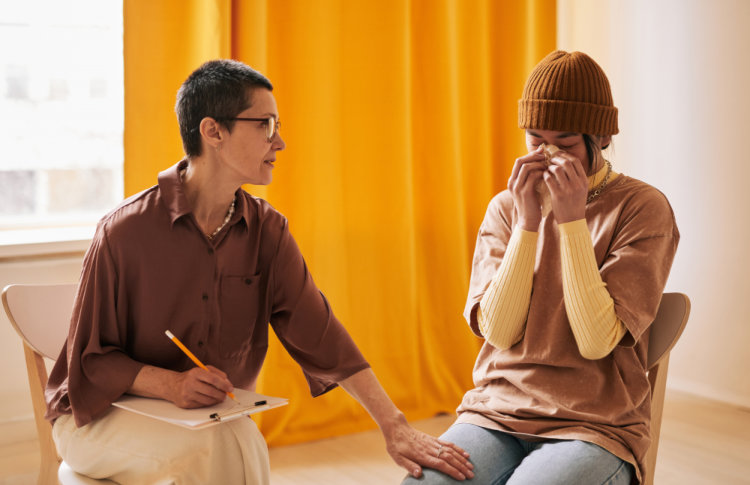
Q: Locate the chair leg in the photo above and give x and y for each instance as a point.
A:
(47, 475)
(658, 379)
(37, 373)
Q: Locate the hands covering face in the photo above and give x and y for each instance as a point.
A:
(545, 179)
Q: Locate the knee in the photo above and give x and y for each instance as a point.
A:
(429, 477)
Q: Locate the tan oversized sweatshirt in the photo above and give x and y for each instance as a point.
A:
(590, 308)
(542, 386)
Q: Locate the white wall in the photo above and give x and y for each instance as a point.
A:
(680, 75)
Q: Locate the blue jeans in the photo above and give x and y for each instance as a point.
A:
(500, 458)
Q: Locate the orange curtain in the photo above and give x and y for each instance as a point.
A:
(400, 119)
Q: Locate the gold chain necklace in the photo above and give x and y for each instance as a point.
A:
(229, 215)
(595, 193)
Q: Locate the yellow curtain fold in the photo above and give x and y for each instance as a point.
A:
(400, 119)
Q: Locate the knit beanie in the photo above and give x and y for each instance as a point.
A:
(568, 91)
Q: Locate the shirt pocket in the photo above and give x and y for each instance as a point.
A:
(240, 309)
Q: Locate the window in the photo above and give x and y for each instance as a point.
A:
(61, 99)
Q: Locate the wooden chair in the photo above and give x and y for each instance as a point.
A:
(41, 316)
(666, 329)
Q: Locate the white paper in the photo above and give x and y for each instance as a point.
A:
(200, 417)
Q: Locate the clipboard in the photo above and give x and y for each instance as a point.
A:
(198, 418)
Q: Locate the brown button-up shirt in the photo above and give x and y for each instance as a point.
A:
(542, 386)
(151, 269)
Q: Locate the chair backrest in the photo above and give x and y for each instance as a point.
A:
(41, 316)
(665, 330)
(668, 325)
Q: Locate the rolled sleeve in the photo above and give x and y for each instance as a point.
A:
(92, 370)
(305, 324)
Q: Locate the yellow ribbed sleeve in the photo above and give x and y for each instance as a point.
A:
(590, 308)
(504, 307)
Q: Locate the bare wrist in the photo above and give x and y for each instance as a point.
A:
(155, 382)
(390, 424)
(570, 217)
(531, 225)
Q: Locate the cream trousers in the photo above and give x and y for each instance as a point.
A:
(132, 449)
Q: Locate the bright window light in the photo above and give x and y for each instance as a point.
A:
(61, 99)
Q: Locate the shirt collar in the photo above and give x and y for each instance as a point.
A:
(172, 191)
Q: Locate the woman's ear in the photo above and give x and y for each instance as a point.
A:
(605, 141)
(211, 133)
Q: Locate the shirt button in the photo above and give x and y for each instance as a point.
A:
(210, 250)
(200, 343)
(248, 281)
(205, 296)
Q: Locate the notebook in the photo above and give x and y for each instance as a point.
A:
(249, 403)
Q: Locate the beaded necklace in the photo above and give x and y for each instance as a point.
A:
(229, 215)
(230, 211)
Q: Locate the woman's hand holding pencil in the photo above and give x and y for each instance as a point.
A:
(201, 386)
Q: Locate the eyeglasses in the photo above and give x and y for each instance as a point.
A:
(272, 125)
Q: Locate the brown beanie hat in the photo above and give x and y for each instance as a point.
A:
(568, 91)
